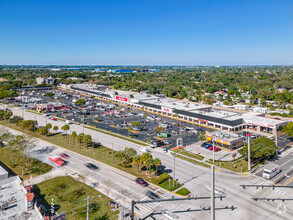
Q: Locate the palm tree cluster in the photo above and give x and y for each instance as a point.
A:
(147, 160)
(82, 138)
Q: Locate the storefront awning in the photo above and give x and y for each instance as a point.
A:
(209, 138)
(218, 141)
(225, 143)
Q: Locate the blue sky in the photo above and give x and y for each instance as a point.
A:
(136, 32)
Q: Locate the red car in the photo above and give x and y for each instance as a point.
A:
(57, 160)
(217, 149)
(64, 155)
(54, 119)
(141, 182)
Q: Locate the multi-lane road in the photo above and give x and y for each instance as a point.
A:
(196, 179)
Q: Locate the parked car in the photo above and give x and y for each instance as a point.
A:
(203, 144)
(141, 182)
(217, 149)
(54, 119)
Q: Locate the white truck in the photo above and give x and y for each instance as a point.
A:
(270, 171)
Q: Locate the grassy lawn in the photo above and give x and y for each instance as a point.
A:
(99, 153)
(192, 160)
(116, 135)
(37, 167)
(70, 196)
(230, 165)
(189, 154)
(183, 191)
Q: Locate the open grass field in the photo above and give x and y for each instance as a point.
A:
(37, 167)
(70, 196)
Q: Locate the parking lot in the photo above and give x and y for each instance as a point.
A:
(119, 119)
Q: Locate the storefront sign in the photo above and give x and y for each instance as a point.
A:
(168, 110)
(120, 98)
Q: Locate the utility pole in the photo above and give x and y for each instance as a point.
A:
(249, 165)
(174, 170)
(276, 138)
(88, 208)
(212, 192)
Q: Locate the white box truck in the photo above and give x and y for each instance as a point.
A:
(270, 171)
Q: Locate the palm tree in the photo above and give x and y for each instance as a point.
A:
(74, 135)
(149, 163)
(87, 139)
(49, 126)
(65, 128)
(157, 162)
(55, 128)
(80, 138)
(145, 156)
(136, 160)
(7, 115)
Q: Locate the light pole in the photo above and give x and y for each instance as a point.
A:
(83, 124)
(276, 138)
(212, 192)
(213, 150)
(249, 165)
(174, 170)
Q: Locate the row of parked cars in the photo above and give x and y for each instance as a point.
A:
(210, 147)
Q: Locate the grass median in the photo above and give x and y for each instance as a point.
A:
(192, 160)
(189, 154)
(71, 196)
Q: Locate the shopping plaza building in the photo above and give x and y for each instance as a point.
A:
(201, 114)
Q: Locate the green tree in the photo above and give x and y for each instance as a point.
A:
(158, 129)
(157, 163)
(149, 163)
(74, 135)
(55, 128)
(49, 126)
(129, 153)
(80, 138)
(80, 102)
(87, 139)
(49, 94)
(136, 160)
(260, 149)
(145, 156)
(65, 128)
(7, 115)
(43, 130)
(288, 129)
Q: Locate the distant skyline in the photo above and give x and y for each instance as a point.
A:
(154, 32)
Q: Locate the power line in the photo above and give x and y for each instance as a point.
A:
(265, 186)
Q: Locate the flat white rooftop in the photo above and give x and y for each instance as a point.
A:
(14, 196)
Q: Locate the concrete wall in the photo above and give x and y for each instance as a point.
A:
(3, 174)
